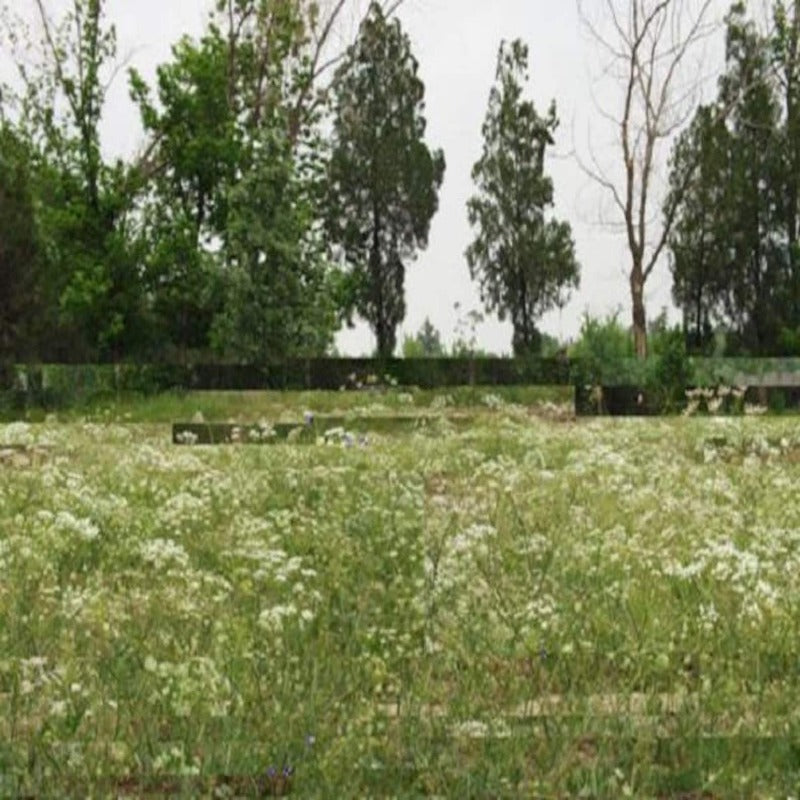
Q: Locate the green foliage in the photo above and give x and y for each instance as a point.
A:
(412, 348)
(237, 261)
(280, 300)
(195, 160)
(525, 263)
(735, 177)
(790, 342)
(603, 348)
(670, 368)
(20, 256)
(698, 243)
(384, 180)
(604, 355)
(777, 401)
(148, 258)
(426, 344)
(552, 346)
(91, 295)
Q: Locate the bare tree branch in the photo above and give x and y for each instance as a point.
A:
(57, 57)
(649, 43)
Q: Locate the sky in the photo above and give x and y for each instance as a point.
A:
(456, 44)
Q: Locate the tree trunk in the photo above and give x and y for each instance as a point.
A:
(377, 278)
(793, 179)
(639, 312)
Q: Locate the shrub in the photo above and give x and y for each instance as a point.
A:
(670, 369)
(603, 348)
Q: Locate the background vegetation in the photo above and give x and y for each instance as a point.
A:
(269, 206)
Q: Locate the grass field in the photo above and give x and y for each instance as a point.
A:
(526, 607)
(289, 406)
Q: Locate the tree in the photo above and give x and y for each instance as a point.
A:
(138, 253)
(223, 266)
(235, 190)
(785, 42)
(649, 45)
(383, 179)
(731, 246)
(426, 344)
(525, 263)
(19, 250)
(196, 153)
(281, 297)
(312, 28)
(754, 290)
(92, 288)
(699, 241)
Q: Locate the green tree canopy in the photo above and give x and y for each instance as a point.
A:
(525, 263)
(699, 242)
(236, 260)
(19, 250)
(426, 344)
(384, 180)
(91, 289)
(734, 242)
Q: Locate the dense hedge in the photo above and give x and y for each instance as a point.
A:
(58, 383)
(660, 382)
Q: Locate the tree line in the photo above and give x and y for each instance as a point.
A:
(284, 189)
(271, 204)
(735, 245)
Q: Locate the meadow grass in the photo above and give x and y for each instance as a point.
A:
(284, 406)
(521, 608)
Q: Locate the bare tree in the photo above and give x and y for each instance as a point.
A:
(650, 47)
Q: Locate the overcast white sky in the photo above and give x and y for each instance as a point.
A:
(456, 42)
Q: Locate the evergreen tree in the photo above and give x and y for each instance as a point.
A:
(426, 344)
(525, 263)
(384, 180)
(757, 269)
(732, 250)
(786, 62)
(700, 239)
